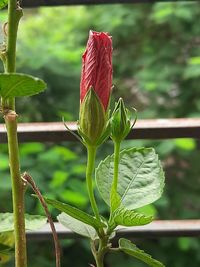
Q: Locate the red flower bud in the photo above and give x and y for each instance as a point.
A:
(97, 67)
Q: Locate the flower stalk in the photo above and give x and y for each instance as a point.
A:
(91, 152)
(116, 164)
(94, 128)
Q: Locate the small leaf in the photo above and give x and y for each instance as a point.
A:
(17, 84)
(140, 181)
(5, 249)
(125, 217)
(3, 3)
(129, 248)
(75, 213)
(6, 253)
(32, 222)
(6, 246)
(77, 226)
(7, 238)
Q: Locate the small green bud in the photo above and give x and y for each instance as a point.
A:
(92, 118)
(120, 121)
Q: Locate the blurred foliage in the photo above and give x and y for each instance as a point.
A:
(156, 69)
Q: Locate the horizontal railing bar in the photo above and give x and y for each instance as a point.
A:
(143, 129)
(156, 229)
(37, 3)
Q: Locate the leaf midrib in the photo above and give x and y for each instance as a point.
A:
(132, 180)
(13, 87)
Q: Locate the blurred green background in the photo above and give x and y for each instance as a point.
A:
(156, 62)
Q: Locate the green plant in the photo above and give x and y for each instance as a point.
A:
(122, 195)
(14, 85)
(128, 179)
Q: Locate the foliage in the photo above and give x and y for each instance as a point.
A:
(141, 179)
(15, 85)
(131, 249)
(157, 46)
(77, 226)
(32, 222)
(3, 3)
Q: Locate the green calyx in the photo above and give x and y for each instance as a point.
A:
(93, 124)
(120, 122)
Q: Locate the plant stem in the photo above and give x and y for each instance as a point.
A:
(99, 261)
(114, 201)
(102, 250)
(103, 238)
(28, 179)
(116, 165)
(17, 191)
(91, 152)
(14, 15)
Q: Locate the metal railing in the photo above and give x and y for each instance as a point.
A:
(156, 229)
(144, 129)
(37, 3)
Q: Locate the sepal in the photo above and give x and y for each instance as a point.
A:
(121, 121)
(93, 124)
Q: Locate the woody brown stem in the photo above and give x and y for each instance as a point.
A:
(27, 178)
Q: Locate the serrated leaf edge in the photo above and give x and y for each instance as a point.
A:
(142, 252)
(135, 149)
(127, 214)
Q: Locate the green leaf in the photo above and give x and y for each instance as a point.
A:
(129, 248)
(6, 253)
(185, 143)
(194, 61)
(17, 84)
(6, 246)
(7, 238)
(32, 222)
(77, 226)
(141, 178)
(3, 3)
(75, 213)
(148, 210)
(5, 249)
(125, 217)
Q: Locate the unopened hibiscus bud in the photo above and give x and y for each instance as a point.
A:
(120, 121)
(95, 87)
(97, 67)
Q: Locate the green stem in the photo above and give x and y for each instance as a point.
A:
(115, 201)
(91, 152)
(100, 254)
(116, 165)
(17, 191)
(14, 15)
(103, 248)
(12, 35)
(99, 261)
